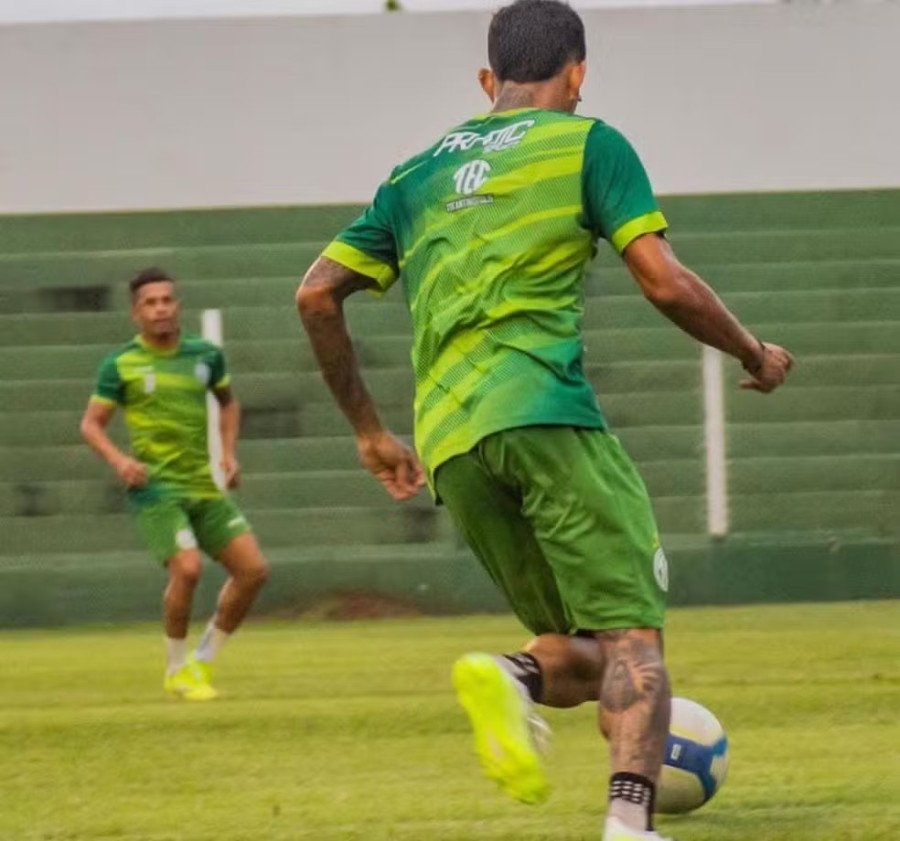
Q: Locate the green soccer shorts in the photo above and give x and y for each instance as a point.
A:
(171, 525)
(561, 521)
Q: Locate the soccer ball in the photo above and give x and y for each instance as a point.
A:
(696, 759)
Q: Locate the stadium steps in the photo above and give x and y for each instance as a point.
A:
(299, 486)
(821, 511)
(746, 444)
(838, 210)
(844, 339)
(812, 470)
(818, 511)
(277, 527)
(125, 585)
(395, 385)
(76, 461)
(40, 233)
(300, 489)
(292, 257)
(278, 291)
(267, 420)
(392, 318)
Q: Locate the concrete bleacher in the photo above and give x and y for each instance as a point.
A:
(814, 470)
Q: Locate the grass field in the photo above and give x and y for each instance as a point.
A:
(350, 731)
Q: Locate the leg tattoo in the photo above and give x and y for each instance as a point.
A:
(634, 709)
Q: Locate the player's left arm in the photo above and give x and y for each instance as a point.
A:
(620, 207)
(320, 302)
(685, 299)
(229, 429)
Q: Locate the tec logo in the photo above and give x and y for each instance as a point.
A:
(471, 177)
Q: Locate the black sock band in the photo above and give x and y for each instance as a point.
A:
(633, 788)
(526, 669)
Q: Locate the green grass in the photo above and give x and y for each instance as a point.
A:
(350, 731)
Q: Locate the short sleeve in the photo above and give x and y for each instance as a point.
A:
(218, 371)
(109, 388)
(368, 245)
(618, 200)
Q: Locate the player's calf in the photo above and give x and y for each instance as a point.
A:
(635, 700)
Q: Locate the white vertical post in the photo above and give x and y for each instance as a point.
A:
(714, 435)
(211, 329)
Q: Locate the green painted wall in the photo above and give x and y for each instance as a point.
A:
(814, 470)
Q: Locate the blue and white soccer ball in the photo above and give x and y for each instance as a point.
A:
(696, 759)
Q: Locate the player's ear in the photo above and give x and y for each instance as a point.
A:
(488, 82)
(575, 79)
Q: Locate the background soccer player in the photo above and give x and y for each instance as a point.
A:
(490, 231)
(161, 378)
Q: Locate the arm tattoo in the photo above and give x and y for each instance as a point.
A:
(320, 301)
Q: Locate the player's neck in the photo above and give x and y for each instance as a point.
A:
(547, 95)
(165, 341)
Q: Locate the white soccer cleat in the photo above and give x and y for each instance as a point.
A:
(615, 830)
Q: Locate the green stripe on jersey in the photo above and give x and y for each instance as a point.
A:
(360, 262)
(490, 231)
(163, 393)
(649, 223)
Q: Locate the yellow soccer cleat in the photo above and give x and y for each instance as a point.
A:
(202, 669)
(190, 682)
(504, 725)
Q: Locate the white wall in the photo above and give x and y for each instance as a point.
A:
(298, 110)
(66, 10)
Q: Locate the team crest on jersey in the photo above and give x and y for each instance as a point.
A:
(149, 383)
(661, 569)
(498, 140)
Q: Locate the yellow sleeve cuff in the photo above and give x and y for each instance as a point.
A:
(106, 401)
(358, 261)
(649, 223)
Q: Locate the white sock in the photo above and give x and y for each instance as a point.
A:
(176, 654)
(615, 828)
(211, 642)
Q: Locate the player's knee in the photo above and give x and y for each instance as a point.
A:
(253, 575)
(645, 639)
(185, 570)
(260, 573)
(580, 658)
(190, 576)
(549, 646)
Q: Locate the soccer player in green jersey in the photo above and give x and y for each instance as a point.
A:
(161, 379)
(489, 231)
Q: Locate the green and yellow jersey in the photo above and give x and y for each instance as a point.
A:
(490, 231)
(163, 393)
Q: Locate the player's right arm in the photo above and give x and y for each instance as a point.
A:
(96, 418)
(320, 302)
(108, 394)
(680, 295)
